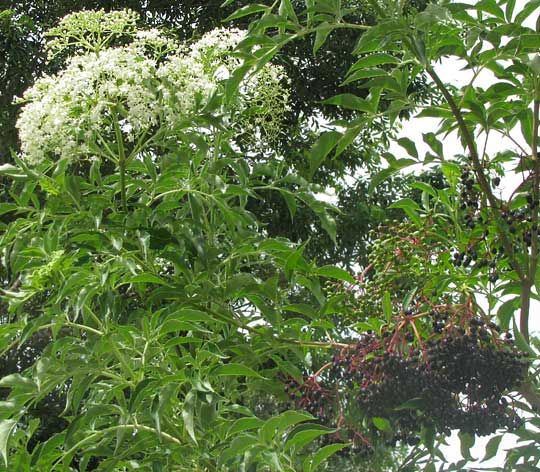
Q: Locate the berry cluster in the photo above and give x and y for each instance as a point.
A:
(469, 197)
(457, 379)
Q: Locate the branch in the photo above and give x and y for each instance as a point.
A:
(480, 175)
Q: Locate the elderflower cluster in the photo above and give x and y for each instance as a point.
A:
(137, 90)
(265, 101)
(91, 30)
(214, 51)
(184, 87)
(69, 114)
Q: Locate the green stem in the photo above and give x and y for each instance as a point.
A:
(479, 171)
(123, 197)
(125, 427)
(533, 263)
(122, 161)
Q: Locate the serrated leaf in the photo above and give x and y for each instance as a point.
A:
(310, 464)
(246, 11)
(235, 370)
(6, 429)
(492, 448)
(334, 272)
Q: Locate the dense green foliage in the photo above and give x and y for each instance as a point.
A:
(147, 282)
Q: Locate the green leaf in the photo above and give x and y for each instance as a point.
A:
(321, 34)
(510, 5)
(310, 464)
(506, 312)
(387, 306)
(244, 424)
(18, 381)
(145, 278)
(492, 448)
(395, 166)
(7, 207)
(409, 146)
(188, 412)
(382, 423)
(305, 434)
(237, 448)
(6, 429)
(378, 35)
(431, 140)
(246, 11)
(425, 188)
(364, 74)
(520, 340)
(375, 59)
(490, 6)
(351, 102)
(466, 441)
(290, 200)
(410, 207)
(277, 424)
(235, 370)
(534, 64)
(526, 11)
(190, 314)
(321, 149)
(302, 308)
(333, 272)
(286, 10)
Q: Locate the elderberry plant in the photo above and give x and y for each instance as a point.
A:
(469, 248)
(154, 304)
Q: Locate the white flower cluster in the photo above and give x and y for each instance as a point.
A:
(265, 102)
(214, 50)
(154, 43)
(184, 86)
(91, 30)
(68, 113)
(127, 89)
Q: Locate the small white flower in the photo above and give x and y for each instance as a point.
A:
(75, 112)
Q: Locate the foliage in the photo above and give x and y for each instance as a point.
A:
(141, 269)
(468, 242)
(172, 313)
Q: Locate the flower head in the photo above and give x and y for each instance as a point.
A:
(149, 85)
